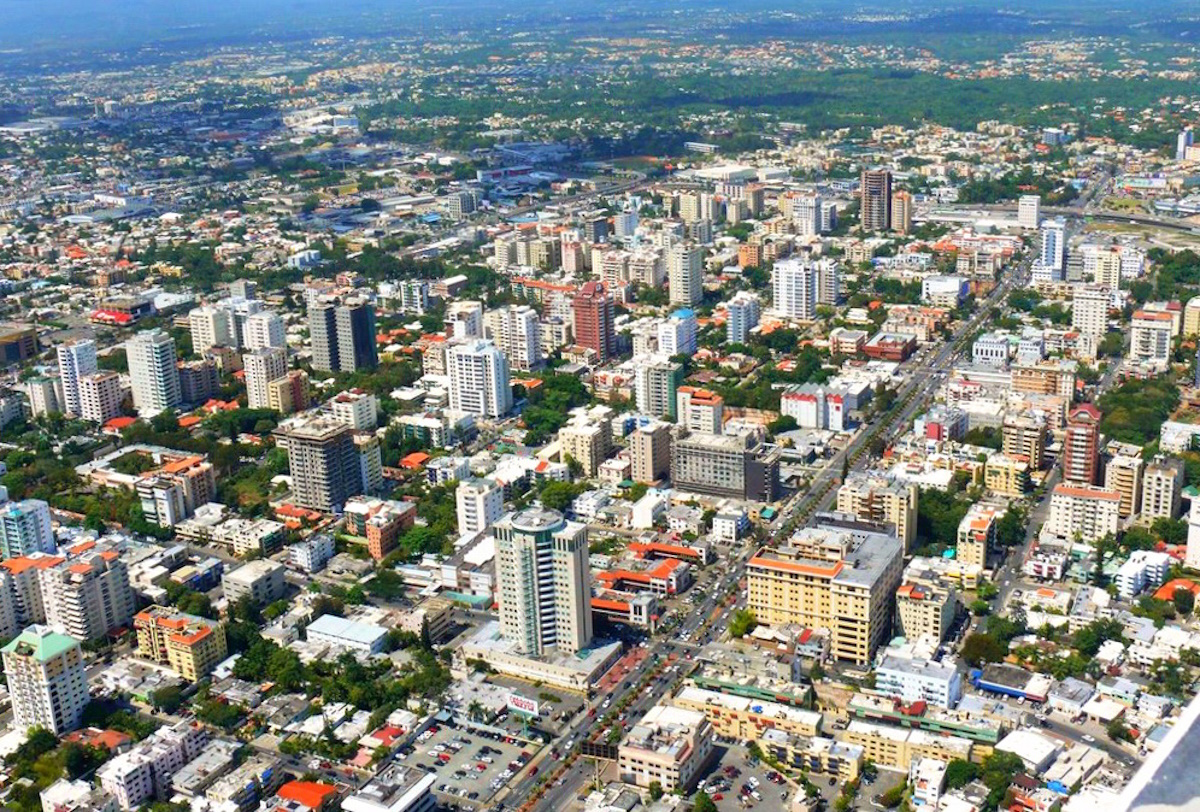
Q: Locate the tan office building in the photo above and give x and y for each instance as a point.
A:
(829, 579)
(875, 499)
(650, 452)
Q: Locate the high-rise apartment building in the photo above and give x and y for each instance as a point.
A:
(1053, 250)
(479, 504)
(794, 285)
(212, 326)
(76, 359)
(25, 528)
(837, 579)
(152, 372)
(685, 274)
(741, 316)
(47, 682)
(593, 313)
(699, 410)
(464, 319)
(1089, 310)
(100, 397)
(650, 452)
(517, 333)
(45, 395)
(1162, 488)
(198, 381)
(479, 379)
(976, 535)
(875, 499)
(1150, 337)
(342, 333)
(87, 594)
(1023, 436)
(902, 212)
(875, 193)
(542, 582)
(806, 214)
(264, 329)
(262, 366)
(1082, 512)
(1123, 475)
(290, 393)
(677, 333)
(655, 383)
(587, 441)
(190, 646)
(1183, 142)
(1081, 446)
(323, 460)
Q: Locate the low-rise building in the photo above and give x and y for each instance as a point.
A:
(261, 581)
(190, 646)
(348, 635)
(670, 746)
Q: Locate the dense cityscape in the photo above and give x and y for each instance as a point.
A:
(692, 409)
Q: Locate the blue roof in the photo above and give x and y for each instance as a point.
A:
(683, 313)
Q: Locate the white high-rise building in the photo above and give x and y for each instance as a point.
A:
(1150, 337)
(625, 223)
(25, 528)
(677, 334)
(794, 284)
(1182, 143)
(517, 333)
(87, 595)
(742, 315)
(806, 214)
(45, 395)
(46, 680)
(542, 582)
(655, 384)
(152, 372)
(75, 359)
(464, 319)
(357, 408)
(264, 329)
(100, 397)
(1089, 310)
(211, 326)
(479, 504)
(261, 367)
(1029, 211)
(1054, 245)
(685, 274)
(479, 379)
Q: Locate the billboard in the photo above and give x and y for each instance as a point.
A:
(521, 704)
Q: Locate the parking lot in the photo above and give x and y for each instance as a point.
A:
(556, 707)
(729, 778)
(734, 779)
(471, 766)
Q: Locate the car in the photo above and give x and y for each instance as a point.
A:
(718, 797)
(1089, 738)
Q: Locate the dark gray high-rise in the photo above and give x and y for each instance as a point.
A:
(342, 334)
